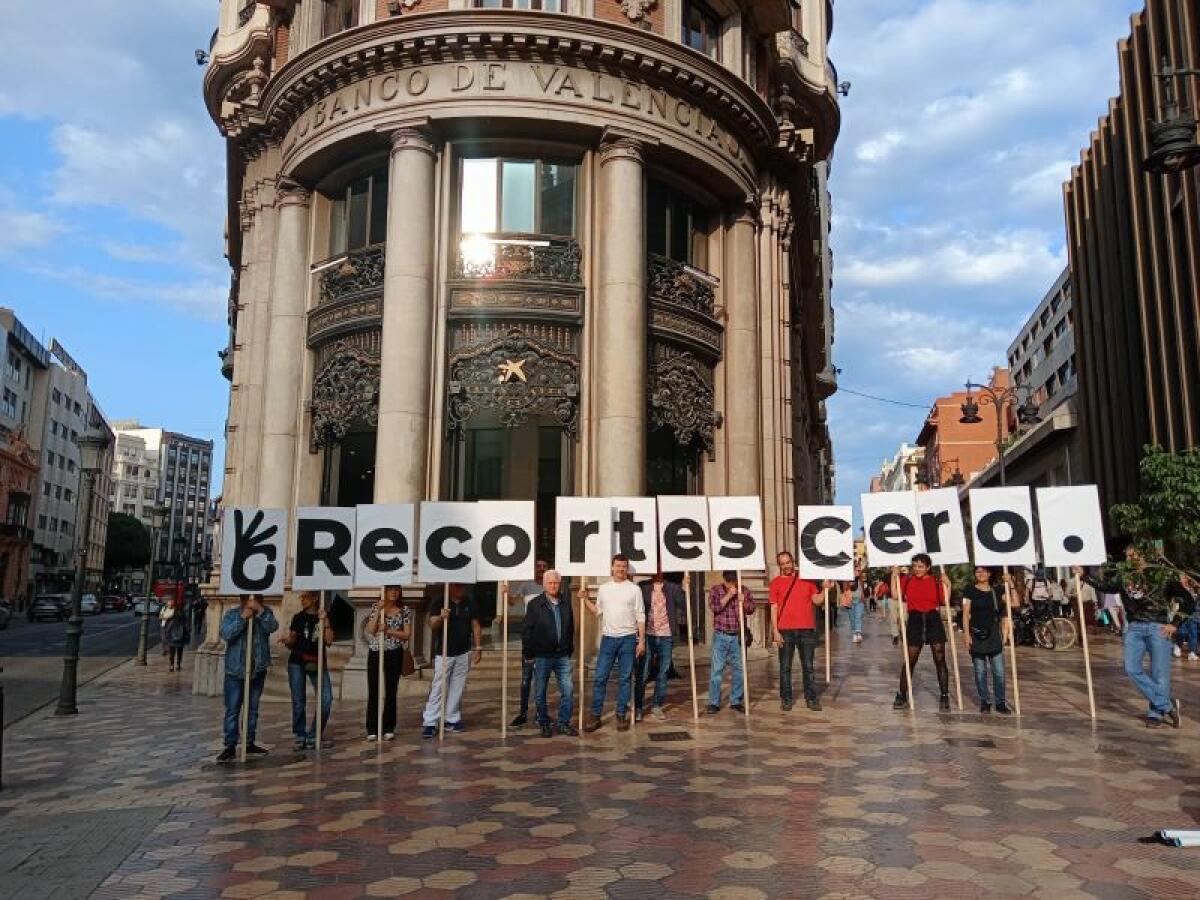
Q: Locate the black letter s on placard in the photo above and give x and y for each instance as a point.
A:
(247, 544)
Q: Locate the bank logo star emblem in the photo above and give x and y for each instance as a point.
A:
(510, 369)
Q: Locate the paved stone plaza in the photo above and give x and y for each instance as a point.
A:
(855, 801)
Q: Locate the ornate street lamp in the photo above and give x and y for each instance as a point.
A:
(1173, 146)
(92, 445)
(158, 518)
(1027, 412)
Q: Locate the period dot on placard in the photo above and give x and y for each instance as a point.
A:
(1073, 543)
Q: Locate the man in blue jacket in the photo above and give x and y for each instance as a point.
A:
(234, 625)
(664, 601)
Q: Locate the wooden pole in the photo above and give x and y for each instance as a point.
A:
(950, 638)
(1087, 654)
(320, 665)
(692, 660)
(742, 647)
(504, 660)
(828, 661)
(243, 739)
(380, 637)
(903, 614)
(583, 612)
(445, 659)
(1012, 643)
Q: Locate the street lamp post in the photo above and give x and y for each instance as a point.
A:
(92, 445)
(1027, 413)
(158, 516)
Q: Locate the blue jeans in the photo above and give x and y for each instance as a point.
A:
(1142, 638)
(660, 647)
(619, 650)
(296, 681)
(996, 664)
(856, 616)
(541, 669)
(726, 650)
(233, 706)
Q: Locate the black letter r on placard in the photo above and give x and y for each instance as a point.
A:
(248, 543)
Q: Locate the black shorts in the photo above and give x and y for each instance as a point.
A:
(926, 628)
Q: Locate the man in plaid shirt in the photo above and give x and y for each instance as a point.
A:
(723, 599)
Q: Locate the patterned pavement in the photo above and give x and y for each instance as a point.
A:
(856, 801)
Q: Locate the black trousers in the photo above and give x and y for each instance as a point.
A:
(392, 660)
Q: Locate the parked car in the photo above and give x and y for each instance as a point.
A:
(115, 602)
(89, 605)
(139, 607)
(49, 607)
(5, 614)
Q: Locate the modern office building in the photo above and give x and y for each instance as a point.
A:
(1132, 206)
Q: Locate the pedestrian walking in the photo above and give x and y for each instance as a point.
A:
(524, 592)
(307, 635)
(548, 641)
(1154, 611)
(234, 627)
(662, 600)
(723, 600)
(985, 628)
(923, 593)
(622, 640)
(464, 648)
(793, 629)
(176, 635)
(390, 616)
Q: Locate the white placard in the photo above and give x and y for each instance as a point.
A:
(325, 548)
(583, 536)
(505, 530)
(635, 532)
(448, 543)
(384, 552)
(683, 544)
(1002, 527)
(253, 548)
(737, 533)
(892, 528)
(826, 535)
(1072, 526)
(942, 530)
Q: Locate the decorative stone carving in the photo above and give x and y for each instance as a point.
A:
(637, 9)
(673, 282)
(514, 375)
(558, 262)
(680, 393)
(345, 394)
(360, 273)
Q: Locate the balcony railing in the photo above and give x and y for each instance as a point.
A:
(518, 259)
(674, 282)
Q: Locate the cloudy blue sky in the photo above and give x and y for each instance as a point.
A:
(963, 120)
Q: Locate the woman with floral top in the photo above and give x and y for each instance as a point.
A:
(390, 616)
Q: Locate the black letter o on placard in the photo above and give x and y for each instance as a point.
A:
(490, 545)
(985, 531)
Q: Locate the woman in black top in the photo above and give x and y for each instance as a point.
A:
(985, 626)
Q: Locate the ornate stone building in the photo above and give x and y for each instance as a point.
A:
(523, 249)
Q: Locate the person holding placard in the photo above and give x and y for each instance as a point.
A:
(623, 638)
(726, 649)
(923, 593)
(525, 592)
(548, 642)
(985, 627)
(662, 599)
(234, 627)
(464, 648)
(389, 615)
(1154, 611)
(304, 644)
(794, 629)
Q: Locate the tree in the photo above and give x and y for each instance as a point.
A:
(1164, 523)
(128, 545)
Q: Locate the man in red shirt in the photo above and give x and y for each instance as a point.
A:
(794, 627)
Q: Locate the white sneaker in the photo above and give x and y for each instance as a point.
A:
(658, 713)
(1177, 651)
(389, 737)
(371, 737)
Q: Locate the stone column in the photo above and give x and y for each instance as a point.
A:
(743, 440)
(620, 321)
(285, 349)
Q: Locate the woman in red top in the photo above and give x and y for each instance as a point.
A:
(924, 596)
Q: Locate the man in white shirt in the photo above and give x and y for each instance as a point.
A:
(622, 615)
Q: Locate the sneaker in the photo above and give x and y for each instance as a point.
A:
(738, 707)
(658, 713)
(229, 754)
(591, 722)
(457, 727)
(389, 737)
(1177, 651)
(622, 721)
(1172, 714)
(713, 710)
(985, 707)
(568, 730)
(252, 749)
(900, 702)
(518, 722)
(371, 738)
(1003, 708)
(547, 731)
(786, 705)
(638, 716)
(944, 703)
(814, 705)
(299, 744)
(427, 732)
